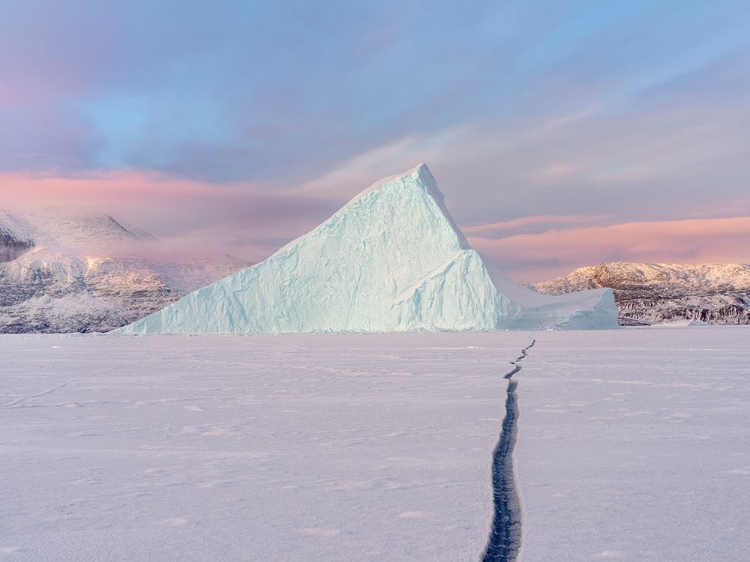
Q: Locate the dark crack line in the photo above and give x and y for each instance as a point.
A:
(16, 403)
(504, 542)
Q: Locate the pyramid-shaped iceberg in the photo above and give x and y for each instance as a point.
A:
(391, 260)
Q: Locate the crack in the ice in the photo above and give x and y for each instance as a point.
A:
(45, 392)
(505, 538)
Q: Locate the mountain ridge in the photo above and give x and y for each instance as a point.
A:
(65, 273)
(648, 293)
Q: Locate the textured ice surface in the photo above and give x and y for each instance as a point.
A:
(391, 260)
(633, 445)
(314, 448)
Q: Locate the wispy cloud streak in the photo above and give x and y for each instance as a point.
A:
(536, 257)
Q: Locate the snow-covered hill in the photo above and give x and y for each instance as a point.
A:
(391, 260)
(660, 293)
(63, 273)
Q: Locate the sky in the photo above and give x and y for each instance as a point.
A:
(562, 133)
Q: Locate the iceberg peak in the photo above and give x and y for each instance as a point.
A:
(420, 173)
(420, 179)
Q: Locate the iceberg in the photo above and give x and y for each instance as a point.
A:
(390, 260)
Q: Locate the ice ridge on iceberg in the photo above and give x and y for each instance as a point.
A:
(392, 259)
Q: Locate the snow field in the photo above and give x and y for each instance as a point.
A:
(635, 445)
(632, 445)
(315, 448)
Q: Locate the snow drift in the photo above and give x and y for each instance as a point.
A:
(391, 260)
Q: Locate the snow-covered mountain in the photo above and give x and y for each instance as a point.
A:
(391, 260)
(62, 273)
(660, 293)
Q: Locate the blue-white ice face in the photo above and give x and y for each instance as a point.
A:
(391, 260)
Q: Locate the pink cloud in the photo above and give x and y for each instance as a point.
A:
(247, 220)
(490, 228)
(129, 194)
(554, 174)
(535, 257)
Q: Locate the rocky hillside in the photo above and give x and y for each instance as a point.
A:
(89, 274)
(660, 293)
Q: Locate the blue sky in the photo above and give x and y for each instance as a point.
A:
(611, 112)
